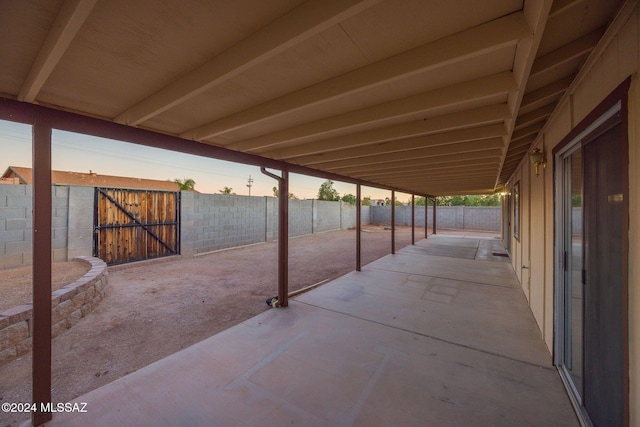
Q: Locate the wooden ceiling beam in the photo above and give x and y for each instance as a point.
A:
(577, 48)
(480, 40)
(523, 142)
(416, 170)
(484, 181)
(533, 129)
(441, 157)
(463, 147)
(422, 162)
(546, 94)
(408, 144)
(459, 95)
(434, 125)
(70, 18)
(435, 170)
(541, 114)
(405, 181)
(560, 6)
(303, 22)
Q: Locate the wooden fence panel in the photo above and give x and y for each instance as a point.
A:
(133, 225)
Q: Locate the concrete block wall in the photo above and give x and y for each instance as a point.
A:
(479, 218)
(211, 222)
(348, 215)
(300, 217)
(71, 222)
(326, 216)
(80, 222)
(60, 222)
(15, 225)
(365, 215)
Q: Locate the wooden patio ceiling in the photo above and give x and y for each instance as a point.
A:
(431, 97)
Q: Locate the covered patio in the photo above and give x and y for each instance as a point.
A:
(438, 334)
(426, 98)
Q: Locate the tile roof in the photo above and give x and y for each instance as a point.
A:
(92, 179)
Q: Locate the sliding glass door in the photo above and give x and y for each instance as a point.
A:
(590, 277)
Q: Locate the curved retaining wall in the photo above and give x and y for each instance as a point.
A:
(68, 305)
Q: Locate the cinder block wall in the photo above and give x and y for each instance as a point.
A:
(212, 222)
(300, 217)
(326, 216)
(15, 225)
(365, 215)
(80, 222)
(347, 215)
(209, 222)
(479, 218)
(72, 223)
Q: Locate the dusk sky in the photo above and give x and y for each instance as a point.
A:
(82, 153)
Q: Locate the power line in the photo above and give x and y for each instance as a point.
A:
(250, 184)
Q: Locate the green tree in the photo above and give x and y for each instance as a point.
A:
(419, 201)
(187, 184)
(227, 190)
(387, 202)
(366, 201)
(349, 198)
(327, 192)
(475, 200)
(276, 193)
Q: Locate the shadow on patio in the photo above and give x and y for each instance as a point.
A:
(439, 334)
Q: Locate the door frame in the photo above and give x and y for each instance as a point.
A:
(616, 102)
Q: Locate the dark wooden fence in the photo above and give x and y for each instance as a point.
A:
(133, 225)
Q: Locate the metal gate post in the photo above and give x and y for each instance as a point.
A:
(435, 202)
(283, 235)
(41, 360)
(358, 228)
(413, 219)
(393, 222)
(426, 218)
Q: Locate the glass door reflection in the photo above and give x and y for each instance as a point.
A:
(573, 284)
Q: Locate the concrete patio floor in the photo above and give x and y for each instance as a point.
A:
(439, 334)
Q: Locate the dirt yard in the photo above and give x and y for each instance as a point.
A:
(15, 284)
(155, 309)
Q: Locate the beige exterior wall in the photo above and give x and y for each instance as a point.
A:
(617, 59)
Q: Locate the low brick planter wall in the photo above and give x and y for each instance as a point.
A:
(68, 305)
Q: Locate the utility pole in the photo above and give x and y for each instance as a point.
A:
(250, 184)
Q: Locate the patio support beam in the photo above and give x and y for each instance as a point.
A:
(393, 222)
(426, 217)
(72, 15)
(358, 227)
(494, 35)
(291, 29)
(463, 96)
(283, 235)
(465, 119)
(413, 219)
(435, 203)
(22, 112)
(41, 338)
(406, 145)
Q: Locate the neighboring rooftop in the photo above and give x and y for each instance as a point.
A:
(91, 179)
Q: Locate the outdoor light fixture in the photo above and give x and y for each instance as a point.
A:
(537, 158)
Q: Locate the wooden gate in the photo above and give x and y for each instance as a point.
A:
(133, 225)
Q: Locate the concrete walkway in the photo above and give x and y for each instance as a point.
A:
(439, 334)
